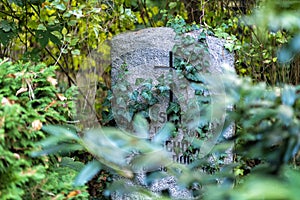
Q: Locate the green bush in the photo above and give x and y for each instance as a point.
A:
(29, 99)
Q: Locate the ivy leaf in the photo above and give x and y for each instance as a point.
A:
(41, 27)
(64, 31)
(77, 13)
(146, 94)
(75, 52)
(37, 2)
(163, 88)
(54, 38)
(59, 6)
(72, 22)
(5, 37)
(138, 81)
(41, 38)
(87, 173)
(134, 95)
(173, 107)
(69, 162)
(6, 26)
(202, 37)
(74, 41)
(18, 2)
(229, 46)
(172, 5)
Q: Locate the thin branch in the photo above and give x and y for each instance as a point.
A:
(55, 59)
(60, 53)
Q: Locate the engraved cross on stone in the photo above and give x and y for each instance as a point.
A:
(170, 68)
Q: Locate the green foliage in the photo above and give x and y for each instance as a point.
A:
(268, 132)
(255, 40)
(180, 26)
(58, 183)
(60, 33)
(261, 187)
(115, 146)
(29, 99)
(63, 33)
(268, 121)
(263, 37)
(277, 26)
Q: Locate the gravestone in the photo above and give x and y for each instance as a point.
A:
(148, 55)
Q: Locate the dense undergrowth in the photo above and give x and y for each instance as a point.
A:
(30, 99)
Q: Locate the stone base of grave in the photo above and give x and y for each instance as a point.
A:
(167, 185)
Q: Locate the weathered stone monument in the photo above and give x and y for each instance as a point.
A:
(144, 59)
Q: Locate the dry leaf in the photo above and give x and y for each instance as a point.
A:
(2, 120)
(36, 125)
(29, 172)
(61, 97)
(17, 156)
(73, 193)
(52, 80)
(6, 101)
(21, 90)
(11, 76)
(51, 104)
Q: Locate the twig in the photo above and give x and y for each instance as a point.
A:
(3, 61)
(61, 52)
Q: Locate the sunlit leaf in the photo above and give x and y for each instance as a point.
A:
(164, 133)
(62, 148)
(295, 43)
(106, 144)
(59, 5)
(75, 52)
(6, 26)
(60, 131)
(151, 161)
(288, 96)
(50, 141)
(71, 163)
(285, 113)
(41, 27)
(87, 173)
(285, 55)
(141, 126)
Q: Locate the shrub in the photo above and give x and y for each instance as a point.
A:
(29, 99)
